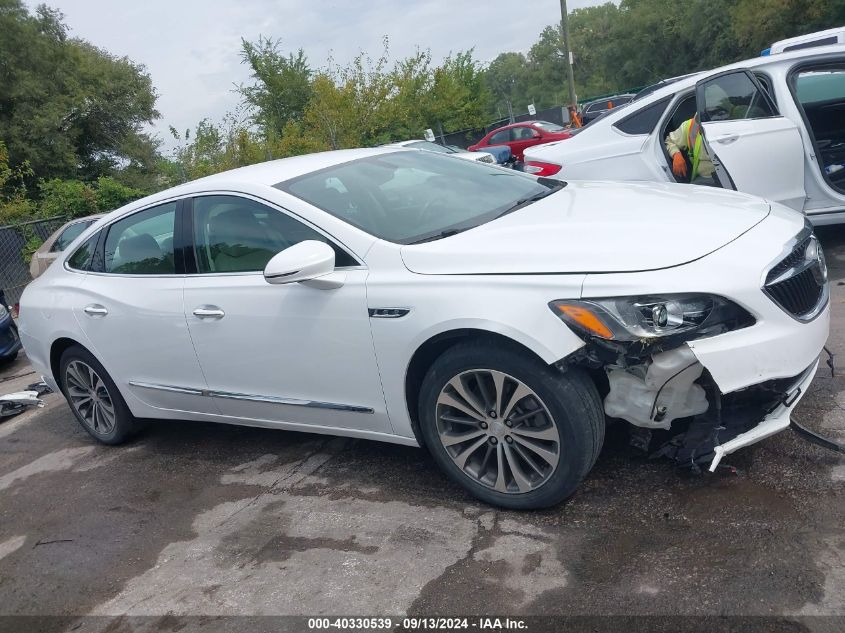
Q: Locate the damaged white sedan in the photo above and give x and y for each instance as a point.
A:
(398, 295)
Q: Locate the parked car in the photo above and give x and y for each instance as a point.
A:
(482, 157)
(407, 297)
(774, 126)
(10, 342)
(593, 109)
(520, 136)
(57, 242)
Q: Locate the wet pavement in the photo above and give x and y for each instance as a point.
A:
(209, 520)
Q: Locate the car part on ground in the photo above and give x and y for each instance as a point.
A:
(393, 294)
(18, 402)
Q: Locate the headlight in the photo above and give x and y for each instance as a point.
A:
(637, 318)
(3, 312)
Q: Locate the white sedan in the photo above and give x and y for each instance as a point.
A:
(403, 296)
(429, 146)
(774, 127)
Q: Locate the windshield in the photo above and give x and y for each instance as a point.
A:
(548, 127)
(431, 147)
(408, 197)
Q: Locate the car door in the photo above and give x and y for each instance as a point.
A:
(292, 353)
(523, 137)
(754, 148)
(131, 309)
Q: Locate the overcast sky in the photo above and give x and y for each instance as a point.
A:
(191, 47)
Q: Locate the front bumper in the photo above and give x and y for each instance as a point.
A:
(774, 422)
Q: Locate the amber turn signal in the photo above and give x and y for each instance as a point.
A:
(587, 320)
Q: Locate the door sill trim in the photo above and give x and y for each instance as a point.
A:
(227, 395)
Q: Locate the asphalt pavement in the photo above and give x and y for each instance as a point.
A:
(192, 524)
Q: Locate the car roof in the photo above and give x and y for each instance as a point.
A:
(684, 82)
(755, 62)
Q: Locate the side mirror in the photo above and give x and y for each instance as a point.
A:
(301, 262)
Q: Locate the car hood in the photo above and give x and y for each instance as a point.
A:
(596, 227)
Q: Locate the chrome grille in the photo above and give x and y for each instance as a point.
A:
(798, 282)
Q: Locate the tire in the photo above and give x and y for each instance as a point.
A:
(555, 422)
(89, 390)
(8, 359)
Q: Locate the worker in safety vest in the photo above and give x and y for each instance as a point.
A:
(688, 137)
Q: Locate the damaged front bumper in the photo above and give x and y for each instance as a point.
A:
(774, 422)
(716, 395)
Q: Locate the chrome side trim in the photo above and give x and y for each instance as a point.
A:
(171, 388)
(296, 402)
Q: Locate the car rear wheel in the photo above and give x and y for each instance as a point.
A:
(94, 398)
(509, 429)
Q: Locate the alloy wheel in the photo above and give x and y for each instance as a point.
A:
(497, 431)
(90, 397)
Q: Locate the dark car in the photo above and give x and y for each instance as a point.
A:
(596, 108)
(10, 342)
(520, 136)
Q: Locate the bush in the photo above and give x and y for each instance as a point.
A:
(111, 194)
(70, 198)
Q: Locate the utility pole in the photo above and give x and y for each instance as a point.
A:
(567, 53)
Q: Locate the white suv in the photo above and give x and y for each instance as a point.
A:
(407, 297)
(774, 127)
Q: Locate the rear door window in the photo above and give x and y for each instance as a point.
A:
(82, 256)
(733, 96)
(142, 244)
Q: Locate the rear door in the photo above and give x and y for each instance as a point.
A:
(523, 137)
(754, 148)
(130, 307)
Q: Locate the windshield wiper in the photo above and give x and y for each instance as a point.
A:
(437, 236)
(552, 188)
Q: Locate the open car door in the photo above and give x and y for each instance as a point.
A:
(754, 148)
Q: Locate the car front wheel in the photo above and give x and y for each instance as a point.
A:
(94, 398)
(509, 429)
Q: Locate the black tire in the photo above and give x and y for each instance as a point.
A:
(571, 401)
(124, 423)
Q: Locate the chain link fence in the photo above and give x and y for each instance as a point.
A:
(14, 270)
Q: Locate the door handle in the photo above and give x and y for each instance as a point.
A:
(727, 139)
(209, 312)
(95, 310)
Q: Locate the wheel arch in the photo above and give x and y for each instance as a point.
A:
(430, 350)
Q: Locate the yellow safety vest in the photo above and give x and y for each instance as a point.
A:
(692, 131)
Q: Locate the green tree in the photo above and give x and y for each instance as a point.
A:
(282, 85)
(67, 108)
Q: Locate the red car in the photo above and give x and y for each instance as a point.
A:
(519, 136)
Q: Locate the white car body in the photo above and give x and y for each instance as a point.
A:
(335, 354)
(775, 157)
(482, 157)
(810, 40)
